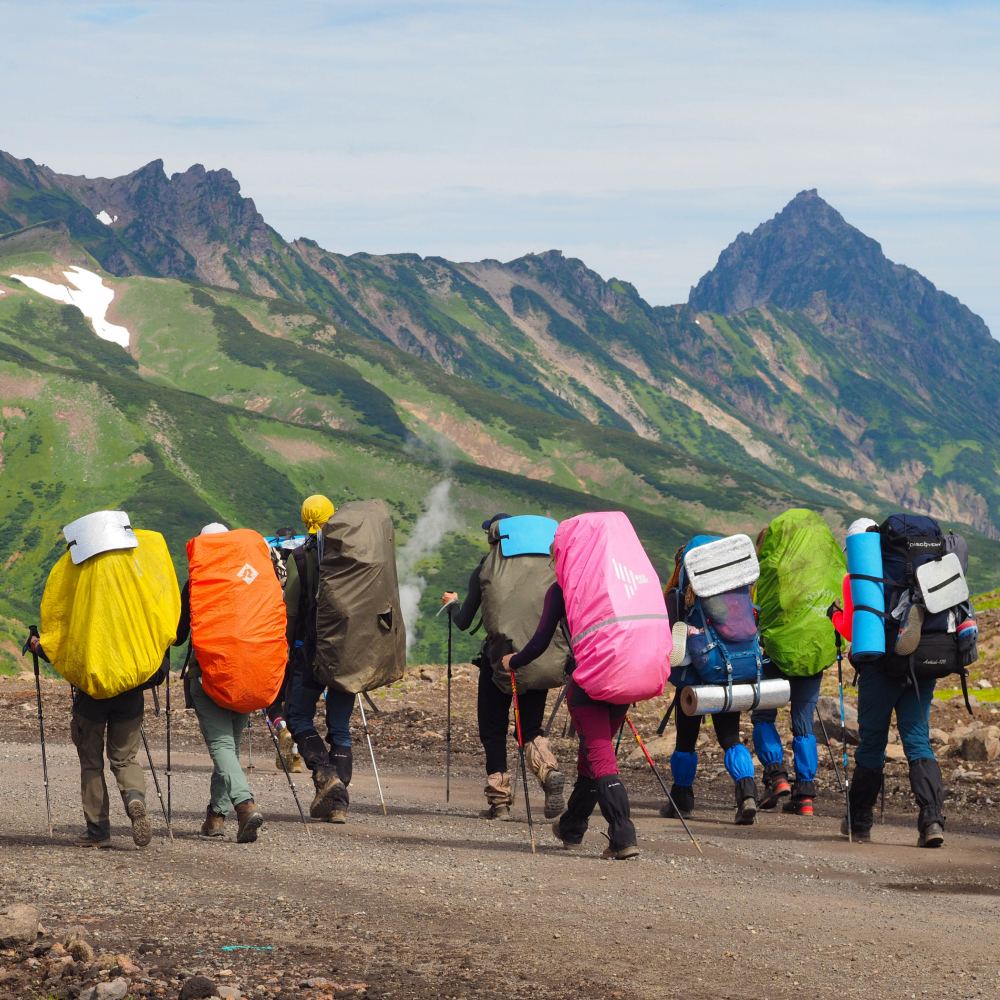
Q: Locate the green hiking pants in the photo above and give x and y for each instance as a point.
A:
(122, 737)
(223, 731)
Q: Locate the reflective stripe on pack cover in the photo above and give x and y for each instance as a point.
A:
(617, 617)
(237, 619)
(107, 622)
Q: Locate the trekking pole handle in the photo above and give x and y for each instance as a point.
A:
(444, 606)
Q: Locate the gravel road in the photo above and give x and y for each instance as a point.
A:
(431, 901)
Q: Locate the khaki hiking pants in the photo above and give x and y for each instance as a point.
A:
(122, 739)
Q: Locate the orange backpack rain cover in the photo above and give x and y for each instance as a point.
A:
(237, 619)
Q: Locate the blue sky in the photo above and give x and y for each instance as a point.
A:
(641, 137)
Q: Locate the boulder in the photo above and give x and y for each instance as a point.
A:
(18, 925)
(660, 748)
(939, 737)
(979, 746)
(894, 752)
(76, 945)
(229, 993)
(828, 709)
(197, 988)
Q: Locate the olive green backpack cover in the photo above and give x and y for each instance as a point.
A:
(360, 635)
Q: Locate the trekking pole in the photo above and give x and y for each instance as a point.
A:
(829, 746)
(618, 742)
(524, 772)
(284, 767)
(156, 780)
(169, 804)
(371, 750)
(447, 753)
(843, 729)
(670, 798)
(559, 701)
(249, 747)
(33, 634)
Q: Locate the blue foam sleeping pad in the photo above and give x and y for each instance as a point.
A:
(864, 555)
(527, 535)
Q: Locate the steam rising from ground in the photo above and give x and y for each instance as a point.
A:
(431, 527)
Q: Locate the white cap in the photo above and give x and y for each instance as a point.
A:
(102, 531)
(861, 525)
(214, 528)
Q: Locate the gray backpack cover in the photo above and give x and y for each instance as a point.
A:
(513, 595)
(360, 636)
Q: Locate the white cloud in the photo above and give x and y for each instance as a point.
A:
(641, 136)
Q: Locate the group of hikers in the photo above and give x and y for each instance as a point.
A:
(272, 624)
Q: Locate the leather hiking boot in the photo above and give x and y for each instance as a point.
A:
(286, 750)
(798, 807)
(931, 835)
(498, 796)
(251, 819)
(620, 853)
(857, 836)
(337, 815)
(774, 791)
(496, 810)
(555, 801)
(86, 841)
(214, 825)
(142, 829)
(330, 791)
(567, 844)
(746, 812)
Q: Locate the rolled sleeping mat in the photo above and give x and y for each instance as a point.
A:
(707, 698)
(864, 558)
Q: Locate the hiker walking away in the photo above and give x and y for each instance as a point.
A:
(331, 762)
(801, 570)
(281, 546)
(110, 574)
(608, 595)
(921, 628)
(715, 642)
(232, 607)
(510, 589)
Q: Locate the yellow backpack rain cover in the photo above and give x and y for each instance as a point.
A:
(107, 622)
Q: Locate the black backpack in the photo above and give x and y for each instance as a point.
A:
(908, 542)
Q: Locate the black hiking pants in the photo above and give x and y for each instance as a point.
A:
(494, 718)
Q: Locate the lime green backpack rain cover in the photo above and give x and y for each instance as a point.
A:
(801, 574)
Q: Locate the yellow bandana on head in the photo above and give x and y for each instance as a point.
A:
(316, 511)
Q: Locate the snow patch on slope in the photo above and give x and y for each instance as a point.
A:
(90, 296)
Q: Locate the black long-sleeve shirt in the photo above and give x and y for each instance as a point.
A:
(473, 599)
(553, 612)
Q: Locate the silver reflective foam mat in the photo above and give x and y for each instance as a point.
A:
(102, 531)
(720, 566)
(707, 698)
(942, 583)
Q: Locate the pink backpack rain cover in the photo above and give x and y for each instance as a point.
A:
(615, 609)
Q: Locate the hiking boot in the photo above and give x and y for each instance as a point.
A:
(142, 829)
(329, 790)
(858, 836)
(85, 841)
(337, 815)
(214, 825)
(798, 807)
(909, 630)
(621, 853)
(287, 750)
(775, 790)
(555, 801)
(932, 835)
(498, 796)
(251, 819)
(683, 798)
(567, 844)
(746, 812)
(496, 811)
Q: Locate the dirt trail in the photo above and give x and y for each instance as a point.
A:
(431, 901)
